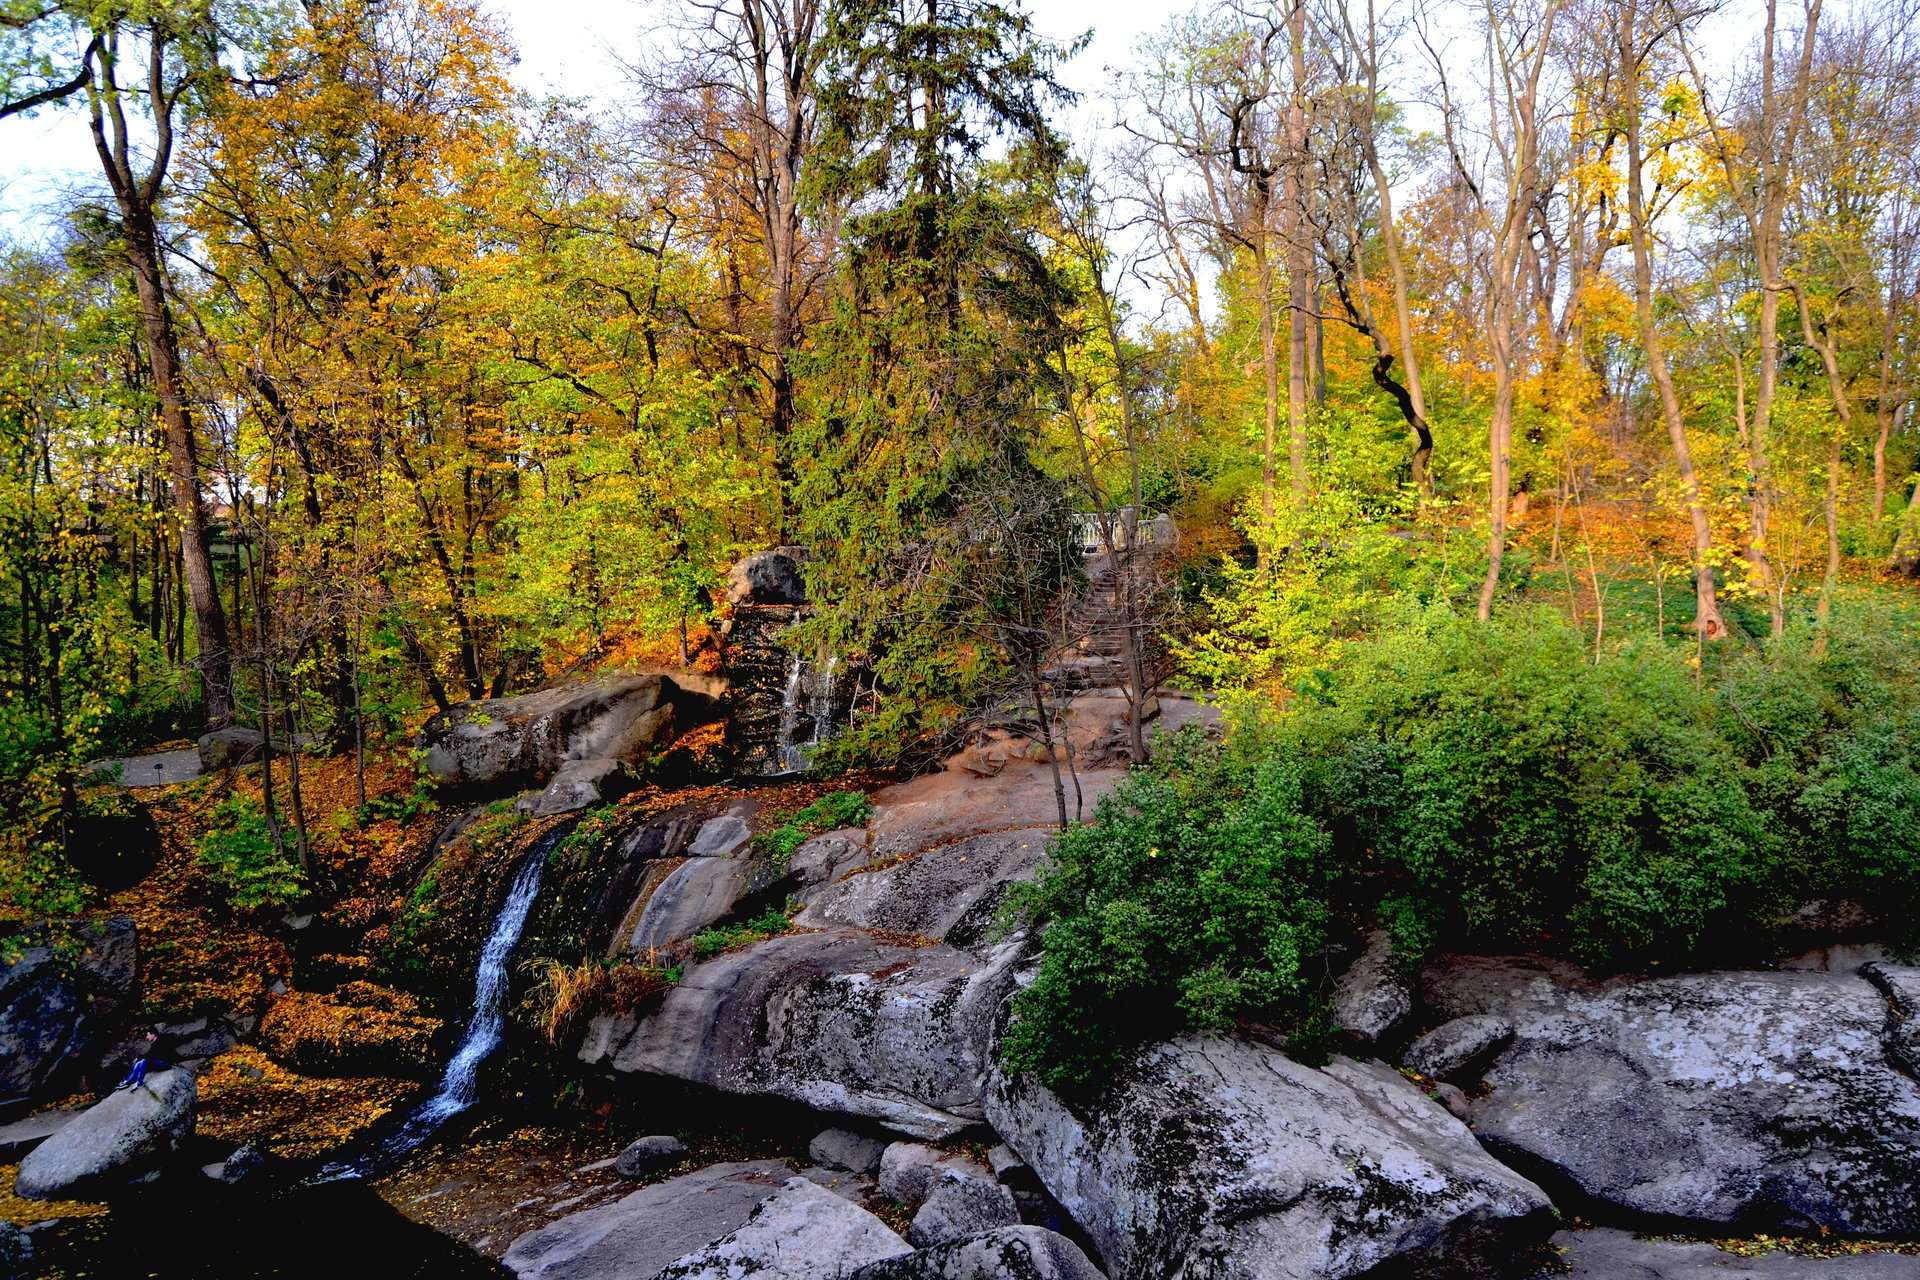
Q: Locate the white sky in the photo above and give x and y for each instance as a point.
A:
(569, 47)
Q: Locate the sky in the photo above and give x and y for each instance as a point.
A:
(569, 47)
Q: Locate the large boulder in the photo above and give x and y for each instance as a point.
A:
(60, 993)
(1764, 1099)
(960, 1203)
(936, 808)
(1602, 1253)
(1221, 1158)
(1006, 1253)
(632, 1238)
(950, 893)
(691, 897)
(1373, 997)
(768, 578)
(838, 1020)
(802, 1232)
(128, 1133)
(572, 738)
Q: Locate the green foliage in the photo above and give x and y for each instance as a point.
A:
(1482, 786)
(407, 805)
(831, 812)
(1196, 898)
(241, 855)
(770, 923)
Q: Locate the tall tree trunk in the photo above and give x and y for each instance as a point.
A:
(1706, 615)
(1299, 255)
(1270, 380)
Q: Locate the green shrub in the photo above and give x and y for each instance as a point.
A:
(711, 942)
(1482, 786)
(831, 812)
(240, 855)
(1196, 898)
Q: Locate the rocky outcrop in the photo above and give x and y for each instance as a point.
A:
(1226, 1159)
(1765, 1099)
(907, 1170)
(951, 893)
(837, 1020)
(941, 807)
(1456, 1051)
(802, 1232)
(771, 577)
(959, 1204)
(574, 738)
(128, 1133)
(692, 896)
(1007, 1253)
(634, 1237)
(1605, 1254)
(59, 997)
(845, 1149)
(1373, 997)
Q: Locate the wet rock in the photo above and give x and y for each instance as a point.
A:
(1224, 1158)
(60, 994)
(951, 892)
(508, 742)
(1374, 995)
(721, 837)
(1005, 1253)
(836, 1020)
(646, 1155)
(1456, 1050)
(768, 578)
(242, 1163)
(1606, 1254)
(694, 895)
(802, 1232)
(845, 1149)
(632, 1238)
(128, 1133)
(1764, 1099)
(960, 1204)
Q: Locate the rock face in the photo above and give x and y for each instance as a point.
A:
(58, 1000)
(643, 1155)
(961, 1204)
(1455, 1050)
(845, 1149)
(837, 1020)
(907, 1170)
(768, 577)
(1603, 1254)
(572, 738)
(951, 893)
(1373, 997)
(1229, 1160)
(1764, 1099)
(126, 1134)
(632, 1238)
(692, 896)
(937, 808)
(803, 1232)
(1008, 1253)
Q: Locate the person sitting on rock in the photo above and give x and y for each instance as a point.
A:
(143, 1059)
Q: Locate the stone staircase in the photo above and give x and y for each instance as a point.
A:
(1098, 621)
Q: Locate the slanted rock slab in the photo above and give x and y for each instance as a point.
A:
(632, 1238)
(1006, 1253)
(1606, 1254)
(1455, 1050)
(1217, 1157)
(802, 1232)
(951, 893)
(1373, 997)
(837, 1020)
(128, 1133)
(1767, 1099)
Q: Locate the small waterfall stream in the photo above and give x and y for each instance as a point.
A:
(460, 1083)
(806, 713)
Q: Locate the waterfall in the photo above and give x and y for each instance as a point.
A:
(806, 714)
(460, 1083)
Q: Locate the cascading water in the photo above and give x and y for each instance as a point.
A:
(460, 1084)
(806, 713)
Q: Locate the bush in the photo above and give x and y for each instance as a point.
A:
(1484, 786)
(240, 855)
(567, 996)
(831, 812)
(711, 942)
(1196, 898)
